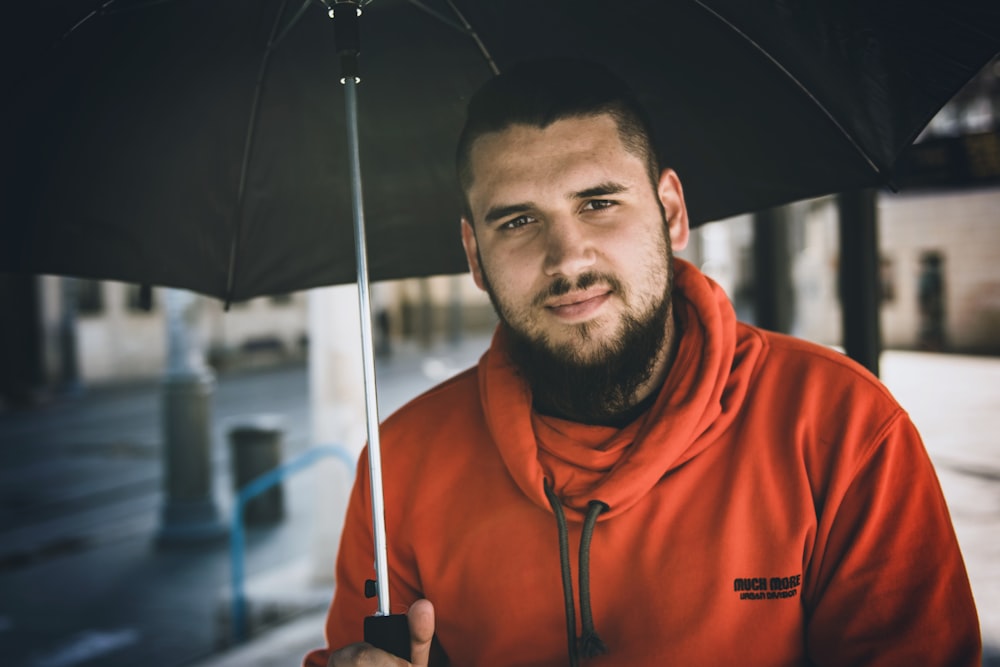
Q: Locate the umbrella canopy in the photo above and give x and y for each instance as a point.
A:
(200, 143)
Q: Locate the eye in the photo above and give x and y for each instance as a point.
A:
(598, 204)
(516, 223)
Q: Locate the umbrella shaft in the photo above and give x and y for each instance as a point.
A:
(367, 353)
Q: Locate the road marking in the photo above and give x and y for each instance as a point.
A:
(88, 645)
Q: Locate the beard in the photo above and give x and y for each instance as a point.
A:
(599, 387)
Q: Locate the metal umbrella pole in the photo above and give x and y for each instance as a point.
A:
(384, 630)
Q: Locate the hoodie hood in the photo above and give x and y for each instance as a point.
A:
(698, 400)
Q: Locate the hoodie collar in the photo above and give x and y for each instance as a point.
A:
(697, 401)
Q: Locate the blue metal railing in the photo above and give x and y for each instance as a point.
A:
(237, 540)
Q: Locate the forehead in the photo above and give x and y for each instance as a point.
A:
(564, 133)
(569, 152)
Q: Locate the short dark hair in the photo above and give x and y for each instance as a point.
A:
(540, 92)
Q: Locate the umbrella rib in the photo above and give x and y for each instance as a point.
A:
(107, 8)
(462, 26)
(793, 79)
(293, 22)
(438, 15)
(93, 12)
(247, 152)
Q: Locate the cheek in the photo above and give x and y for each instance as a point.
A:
(506, 281)
(509, 272)
(643, 262)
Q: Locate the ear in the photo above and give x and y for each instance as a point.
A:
(672, 197)
(472, 252)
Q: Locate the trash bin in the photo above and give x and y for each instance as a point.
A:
(255, 448)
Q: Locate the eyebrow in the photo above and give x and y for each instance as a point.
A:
(499, 212)
(600, 190)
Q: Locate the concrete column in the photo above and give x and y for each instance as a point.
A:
(455, 309)
(69, 366)
(426, 319)
(337, 401)
(21, 339)
(773, 294)
(189, 514)
(859, 276)
(381, 312)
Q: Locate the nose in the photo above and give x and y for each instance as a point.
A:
(568, 249)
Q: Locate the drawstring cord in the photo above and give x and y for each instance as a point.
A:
(589, 644)
(567, 577)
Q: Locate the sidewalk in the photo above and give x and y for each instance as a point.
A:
(82, 584)
(955, 403)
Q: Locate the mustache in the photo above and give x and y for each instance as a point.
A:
(562, 285)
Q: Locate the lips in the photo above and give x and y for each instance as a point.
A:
(578, 305)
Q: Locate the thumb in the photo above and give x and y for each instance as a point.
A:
(420, 617)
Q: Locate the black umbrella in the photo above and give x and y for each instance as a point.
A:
(164, 142)
(197, 144)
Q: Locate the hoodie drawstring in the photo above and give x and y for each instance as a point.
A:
(589, 644)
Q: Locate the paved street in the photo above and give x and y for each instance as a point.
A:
(82, 582)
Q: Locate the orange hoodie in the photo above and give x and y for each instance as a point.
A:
(774, 506)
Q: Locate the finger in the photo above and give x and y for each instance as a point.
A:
(420, 616)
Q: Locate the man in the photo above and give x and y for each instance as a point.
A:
(630, 473)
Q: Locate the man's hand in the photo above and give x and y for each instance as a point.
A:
(420, 617)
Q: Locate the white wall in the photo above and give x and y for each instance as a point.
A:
(118, 343)
(965, 228)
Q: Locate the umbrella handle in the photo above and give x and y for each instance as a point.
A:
(389, 633)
